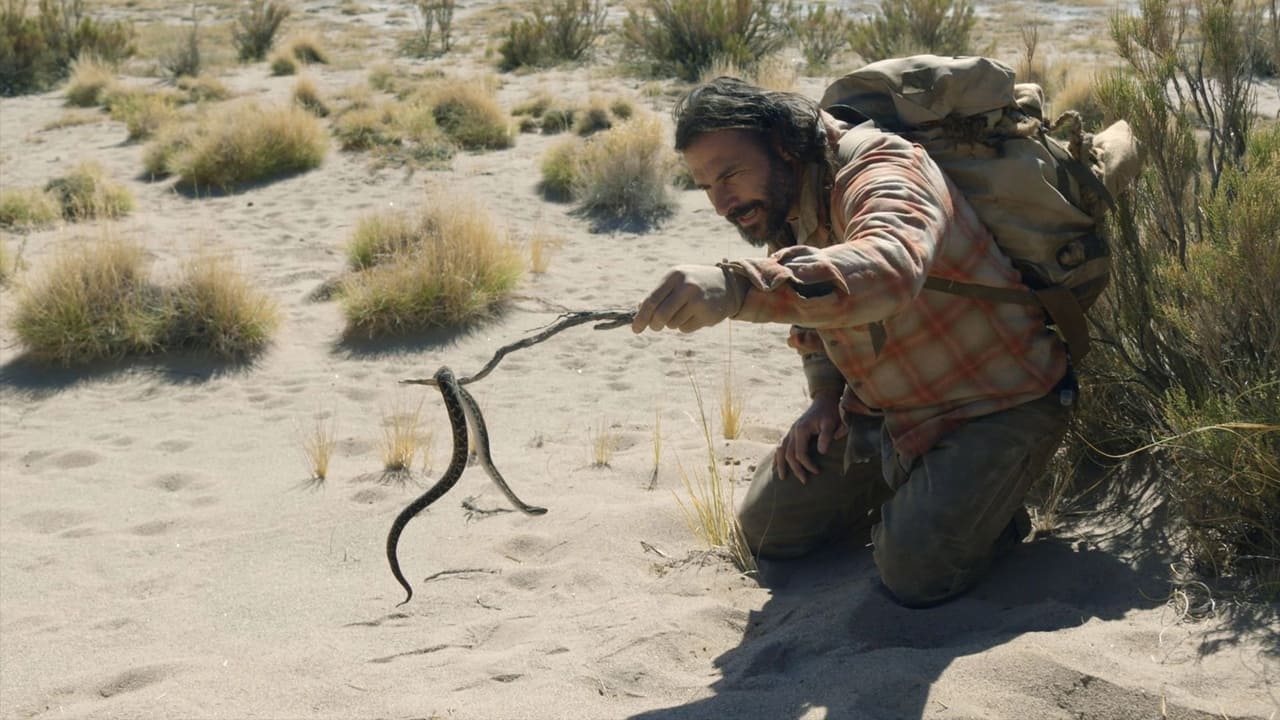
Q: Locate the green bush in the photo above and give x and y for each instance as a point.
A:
(1190, 347)
(820, 30)
(37, 49)
(909, 27)
(256, 26)
(561, 31)
(182, 59)
(684, 37)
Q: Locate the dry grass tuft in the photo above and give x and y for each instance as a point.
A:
(445, 266)
(204, 88)
(8, 263)
(143, 112)
(468, 112)
(85, 194)
(604, 441)
(710, 509)
(401, 438)
(307, 96)
(216, 309)
(732, 403)
(542, 245)
(317, 447)
(73, 118)
(24, 209)
(246, 144)
(307, 48)
(623, 175)
(90, 82)
(283, 64)
(560, 170)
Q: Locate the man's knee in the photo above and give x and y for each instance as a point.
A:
(921, 568)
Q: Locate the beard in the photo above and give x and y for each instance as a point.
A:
(773, 230)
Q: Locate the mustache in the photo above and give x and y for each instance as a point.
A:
(739, 212)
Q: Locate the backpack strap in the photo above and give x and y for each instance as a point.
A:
(1057, 301)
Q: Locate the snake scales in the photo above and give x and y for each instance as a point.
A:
(463, 411)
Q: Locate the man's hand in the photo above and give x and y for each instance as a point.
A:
(690, 298)
(822, 420)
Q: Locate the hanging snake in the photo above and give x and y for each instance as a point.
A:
(463, 411)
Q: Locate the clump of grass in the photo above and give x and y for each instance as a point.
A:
(604, 441)
(40, 47)
(401, 438)
(444, 266)
(382, 77)
(182, 58)
(282, 64)
(90, 81)
(95, 302)
(159, 159)
(559, 169)
(732, 403)
(541, 246)
(623, 175)
(8, 263)
(85, 194)
(470, 115)
(247, 144)
(202, 88)
(307, 96)
(214, 308)
(72, 118)
(256, 26)
(400, 133)
(710, 509)
(306, 48)
(99, 301)
(555, 32)
(143, 112)
(317, 448)
(24, 209)
(593, 118)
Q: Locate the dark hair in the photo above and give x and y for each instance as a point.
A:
(786, 121)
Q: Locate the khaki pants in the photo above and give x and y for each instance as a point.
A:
(934, 524)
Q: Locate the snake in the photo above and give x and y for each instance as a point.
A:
(463, 412)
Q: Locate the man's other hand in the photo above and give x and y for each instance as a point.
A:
(817, 426)
(690, 298)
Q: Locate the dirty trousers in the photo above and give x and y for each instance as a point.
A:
(933, 525)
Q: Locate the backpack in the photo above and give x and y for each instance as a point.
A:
(1043, 200)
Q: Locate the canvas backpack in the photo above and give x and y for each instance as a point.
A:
(1042, 199)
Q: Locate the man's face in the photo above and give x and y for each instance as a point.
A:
(749, 183)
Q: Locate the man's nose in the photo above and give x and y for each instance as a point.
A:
(722, 201)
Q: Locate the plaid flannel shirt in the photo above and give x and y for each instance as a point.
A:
(926, 360)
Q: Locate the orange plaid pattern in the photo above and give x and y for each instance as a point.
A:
(926, 360)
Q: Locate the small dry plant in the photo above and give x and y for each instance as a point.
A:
(143, 112)
(317, 447)
(244, 144)
(542, 245)
(623, 175)
(604, 441)
(710, 509)
(731, 405)
(467, 110)
(559, 168)
(23, 209)
(307, 96)
(91, 80)
(657, 447)
(86, 194)
(401, 438)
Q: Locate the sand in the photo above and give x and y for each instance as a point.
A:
(163, 553)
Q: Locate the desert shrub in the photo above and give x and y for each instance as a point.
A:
(623, 175)
(37, 49)
(250, 144)
(908, 27)
(683, 37)
(557, 119)
(1189, 348)
(820, 30)
(593, 118)
(93, 303)
(559, 170)
(214, 308)
(256, 26)
(84, 194)
(283, 64)
(307, 97)
(159, 158)
(142, 111)
(182, 59)
(382, 77)
(28, 209)
(306, 48)
(433, 16)
(202, 88)
(470, 115)
(380, 237)
(100, 302)
(455, 268)
(90, 81)
(559, 31)
(363, 128)
(7, 263)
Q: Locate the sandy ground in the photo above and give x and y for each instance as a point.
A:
(162, 554)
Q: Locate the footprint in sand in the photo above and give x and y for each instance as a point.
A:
(175, 481)
(135, 679)
(153, 528)
(174, 446)
(73, 459)
(48, 522)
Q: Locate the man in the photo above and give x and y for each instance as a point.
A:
(932, 411)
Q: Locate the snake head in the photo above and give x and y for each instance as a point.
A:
(443, 375)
